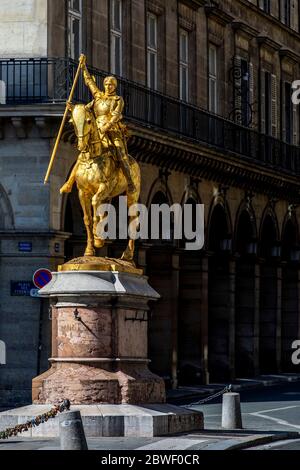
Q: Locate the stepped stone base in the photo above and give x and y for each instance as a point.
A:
(111, 420)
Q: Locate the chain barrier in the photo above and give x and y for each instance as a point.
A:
(227, 389)
(10, 432)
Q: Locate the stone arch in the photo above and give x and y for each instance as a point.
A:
(159, 186)
(219, 288)
(269, 220)
(245, 306)
(245, 216)
(269, 297)
(218, 215)
(6, 212)
(190, 366)
(290, 321)
(2, 353)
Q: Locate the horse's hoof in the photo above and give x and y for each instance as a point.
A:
(126, 257)
(66, 188)
(89, 253)
(98, 243)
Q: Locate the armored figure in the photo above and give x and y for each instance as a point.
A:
(108, 108)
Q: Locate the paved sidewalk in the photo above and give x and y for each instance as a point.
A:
(238, 385)
(204, 440)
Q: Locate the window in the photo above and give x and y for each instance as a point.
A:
(285, 7)
(152, 51)
(268, 104)
(116, 37)
(75, 29)
(265, 5)
(213, 84)
(184, 65)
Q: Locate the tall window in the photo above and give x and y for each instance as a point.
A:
(265, 5)
(184, 65)
(213, 83)
(268, 112)
(152, 51)
(75, 29)
(285, 11)
(116, 37)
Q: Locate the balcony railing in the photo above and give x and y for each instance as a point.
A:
(30, 81)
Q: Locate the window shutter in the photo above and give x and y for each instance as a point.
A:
(237, 84)
(283, 121)
(295, 124)
(262, 102)
(274, 104)
(294, 15)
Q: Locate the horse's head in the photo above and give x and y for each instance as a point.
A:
(82, 119)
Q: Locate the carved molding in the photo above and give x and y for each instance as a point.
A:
(199, 165)
(186, 24)
(19, 126)
(268, 43)
(218, 15)
(155, 7)
(244, 29)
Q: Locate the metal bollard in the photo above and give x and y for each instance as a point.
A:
(231, 411)
(71, 432)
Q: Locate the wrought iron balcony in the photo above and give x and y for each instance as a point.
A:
(38, 81)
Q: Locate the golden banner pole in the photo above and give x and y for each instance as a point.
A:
(63, 121)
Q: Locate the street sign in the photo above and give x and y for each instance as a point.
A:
(20, 288)
(25, 247)
(41, 277)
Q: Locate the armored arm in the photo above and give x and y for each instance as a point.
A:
(89, 81)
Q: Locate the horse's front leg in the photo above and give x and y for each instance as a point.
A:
(86, 204)
(101, 195)
(134, 222)
(68, 186)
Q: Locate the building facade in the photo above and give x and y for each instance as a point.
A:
(207, 88)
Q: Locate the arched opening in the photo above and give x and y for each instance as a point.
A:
(269, 253)
(163, 323)
(219, 297)
(244, 297)
(189, 314)
(290, 295)
(75, 245)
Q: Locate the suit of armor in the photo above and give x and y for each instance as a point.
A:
(108, 108)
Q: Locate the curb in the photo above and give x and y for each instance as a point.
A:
(242, 444)
(252, 385)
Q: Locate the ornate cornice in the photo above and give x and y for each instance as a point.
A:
(194, 4)
(289, 55)
(204, 162)
(268, 43)
(245, 29)
(218, 15)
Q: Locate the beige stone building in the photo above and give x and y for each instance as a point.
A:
(207, 87)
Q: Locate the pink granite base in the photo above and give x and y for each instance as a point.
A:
(86, 384)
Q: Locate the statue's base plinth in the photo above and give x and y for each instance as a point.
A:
(111, 420)
(95, 263)
(99, 340)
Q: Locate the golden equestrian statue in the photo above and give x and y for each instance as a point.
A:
(103, 169)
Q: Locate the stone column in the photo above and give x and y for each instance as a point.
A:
(175, 299)
(204, 319)
(256, 317)
(298, 335)
(99, 349)
(278, 318)
(232, 272)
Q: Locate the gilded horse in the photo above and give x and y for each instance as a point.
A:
(99, 177)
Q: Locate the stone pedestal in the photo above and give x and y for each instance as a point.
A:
(99, 340)
(99, 360)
